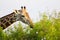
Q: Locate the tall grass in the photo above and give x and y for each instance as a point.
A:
(45, 29)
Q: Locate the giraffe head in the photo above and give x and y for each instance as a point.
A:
(22, 15)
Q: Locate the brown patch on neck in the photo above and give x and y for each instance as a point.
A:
(7, 20)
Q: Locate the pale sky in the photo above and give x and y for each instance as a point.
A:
(33, 6)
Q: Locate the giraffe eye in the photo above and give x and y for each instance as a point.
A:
(23, 16)
(15, 16)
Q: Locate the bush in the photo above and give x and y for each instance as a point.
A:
(45, 29)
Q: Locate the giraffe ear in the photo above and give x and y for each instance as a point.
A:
(15, 11)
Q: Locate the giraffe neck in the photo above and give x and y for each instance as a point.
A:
(7, 20)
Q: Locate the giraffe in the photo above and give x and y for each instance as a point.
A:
(17, 15)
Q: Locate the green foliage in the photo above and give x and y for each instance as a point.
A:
(45, 29)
